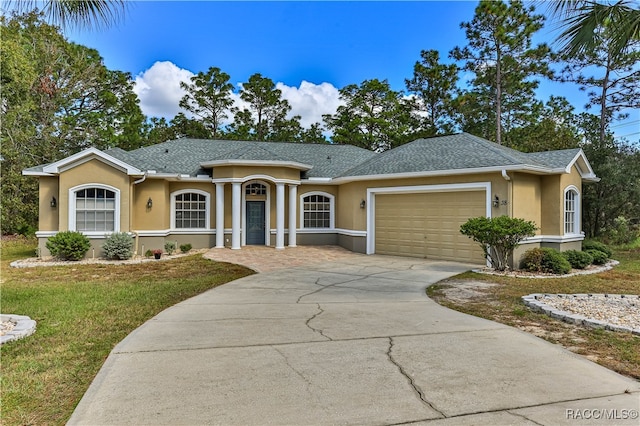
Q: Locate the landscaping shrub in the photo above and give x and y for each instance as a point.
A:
(170, 247)
(498, 236)
(68, 245)
(578, 259)
(118, 245)
(148, 253)
(596, 245)
(184, 248)
(599, 257)
(546, 260)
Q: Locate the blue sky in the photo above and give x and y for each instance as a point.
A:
(326, 44)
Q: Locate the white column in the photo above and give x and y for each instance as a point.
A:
(219, 215)
(236, 211)
(279, 215)
(293, 213)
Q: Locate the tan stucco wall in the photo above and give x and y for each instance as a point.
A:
(158, 216)
(552, 200)
(527, 196)
(48, 217)
(94, 171)
(220, 172)
(551, 206)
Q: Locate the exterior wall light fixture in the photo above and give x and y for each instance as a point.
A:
(54, 202)
(362, 204)
(496, 201)
(149, 203)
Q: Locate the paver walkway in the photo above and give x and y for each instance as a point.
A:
(352, 340)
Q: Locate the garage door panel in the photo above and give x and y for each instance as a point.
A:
(428, 224)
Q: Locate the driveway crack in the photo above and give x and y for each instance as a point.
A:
(412, 383)
(317, 330)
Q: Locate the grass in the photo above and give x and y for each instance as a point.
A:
(82, 312)
(502, 303)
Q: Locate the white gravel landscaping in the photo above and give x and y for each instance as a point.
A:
(615, 312)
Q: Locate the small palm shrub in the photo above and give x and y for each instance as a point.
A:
(118, 245)
(68, 245)
(599, 258)
(578, 259)
(546, 260)
(184, 248)
(148, 253)
(596, 245)
(170, 247)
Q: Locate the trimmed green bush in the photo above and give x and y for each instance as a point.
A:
(68, 245)
(498, 236)
(578, 259)
(118, 245)
(148, 253)
(599, 257)
(596, 245)
(546, 260)
(170, 247)
(184, 248)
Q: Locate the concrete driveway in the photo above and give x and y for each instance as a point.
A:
(352, 340)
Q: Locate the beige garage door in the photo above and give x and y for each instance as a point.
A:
(427, 225)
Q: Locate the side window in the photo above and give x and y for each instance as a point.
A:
(317, 211)
(190, 210)
(571, 206)
(94, 209)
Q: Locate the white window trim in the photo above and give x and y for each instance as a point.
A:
(332, 209)
(207, 207)
(577, 208)
(72, 208)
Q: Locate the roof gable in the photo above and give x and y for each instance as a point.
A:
(82, 157)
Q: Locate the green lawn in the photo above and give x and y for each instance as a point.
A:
(502, 303)
(82, 312)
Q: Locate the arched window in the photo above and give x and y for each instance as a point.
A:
(190, 209)
(571, 211)
(94, 208)
(317, 210)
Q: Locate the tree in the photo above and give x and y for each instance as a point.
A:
(498, 236)
(209, 98)
(82, 13)
(434, 85)
(552, 126)
(614, 83)
(57, 98)
(265, 117)
(617, 164)
(500, 55)
(373, 117)
(583, 20)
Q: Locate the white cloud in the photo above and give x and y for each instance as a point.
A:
(159, 89)
(310, 101)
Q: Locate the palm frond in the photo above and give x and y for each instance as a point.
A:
(79, 13)
(588, 19)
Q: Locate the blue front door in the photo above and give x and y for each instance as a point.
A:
(255, 223)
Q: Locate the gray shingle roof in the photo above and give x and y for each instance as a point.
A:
(452, 152)
(185, 155)
(442, 153)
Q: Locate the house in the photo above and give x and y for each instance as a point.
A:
(408, 201)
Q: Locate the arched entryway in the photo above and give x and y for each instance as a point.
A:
(256, 206)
